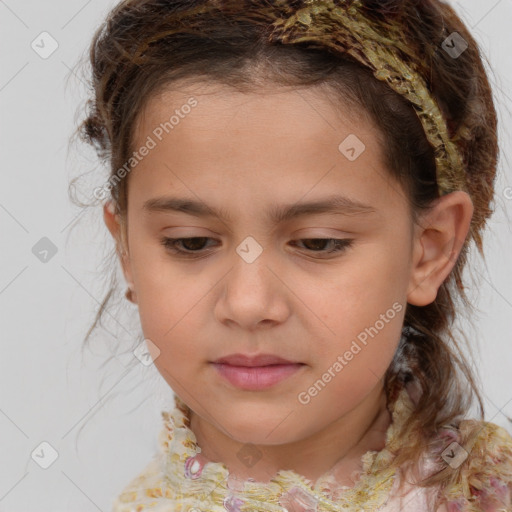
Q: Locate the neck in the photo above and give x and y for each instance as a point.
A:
(338, 447)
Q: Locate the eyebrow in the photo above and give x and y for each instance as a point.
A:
(336, 205)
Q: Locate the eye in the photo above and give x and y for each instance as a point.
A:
(337, 244)
(194, 246)
(191, 244)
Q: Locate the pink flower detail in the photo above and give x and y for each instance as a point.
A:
(193, 467)
(232, 503)
(490, 501)
(456, 505)
(298, 500)
(502, 490)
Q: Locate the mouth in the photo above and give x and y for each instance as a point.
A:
(257, 372)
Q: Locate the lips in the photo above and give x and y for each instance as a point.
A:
(255, 373)
(250, 361)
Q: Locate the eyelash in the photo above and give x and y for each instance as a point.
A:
(170, 244)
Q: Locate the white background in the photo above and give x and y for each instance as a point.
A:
(103, 421)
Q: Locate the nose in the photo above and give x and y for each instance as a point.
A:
(253, 295)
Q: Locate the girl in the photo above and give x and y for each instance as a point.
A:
(294, 189)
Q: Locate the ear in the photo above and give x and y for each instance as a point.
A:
(112, 221)
(438, 239)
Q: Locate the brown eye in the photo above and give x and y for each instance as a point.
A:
(320, 244)
(191, 245)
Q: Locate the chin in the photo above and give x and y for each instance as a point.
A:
(267, 430)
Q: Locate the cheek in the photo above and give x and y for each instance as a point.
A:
(170, 314)
(361, 310)
(174, 309)
(360, 287)
(163, 300)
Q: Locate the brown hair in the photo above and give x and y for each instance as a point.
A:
(146, 45)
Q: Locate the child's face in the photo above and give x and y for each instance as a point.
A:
(340, 314)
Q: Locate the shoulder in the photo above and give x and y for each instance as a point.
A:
(482, 460)
(143, 489)
(151, 487)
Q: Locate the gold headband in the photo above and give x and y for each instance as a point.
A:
(378, 46)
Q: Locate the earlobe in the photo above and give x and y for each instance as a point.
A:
(438, 239)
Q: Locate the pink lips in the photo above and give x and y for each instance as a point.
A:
(256, 372)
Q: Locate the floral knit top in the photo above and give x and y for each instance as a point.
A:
(181, 479)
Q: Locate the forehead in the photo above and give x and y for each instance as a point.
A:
(281, 110)
(274, 142)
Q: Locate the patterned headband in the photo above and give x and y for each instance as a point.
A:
(379, 46)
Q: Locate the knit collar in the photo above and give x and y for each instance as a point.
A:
(192, 476)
